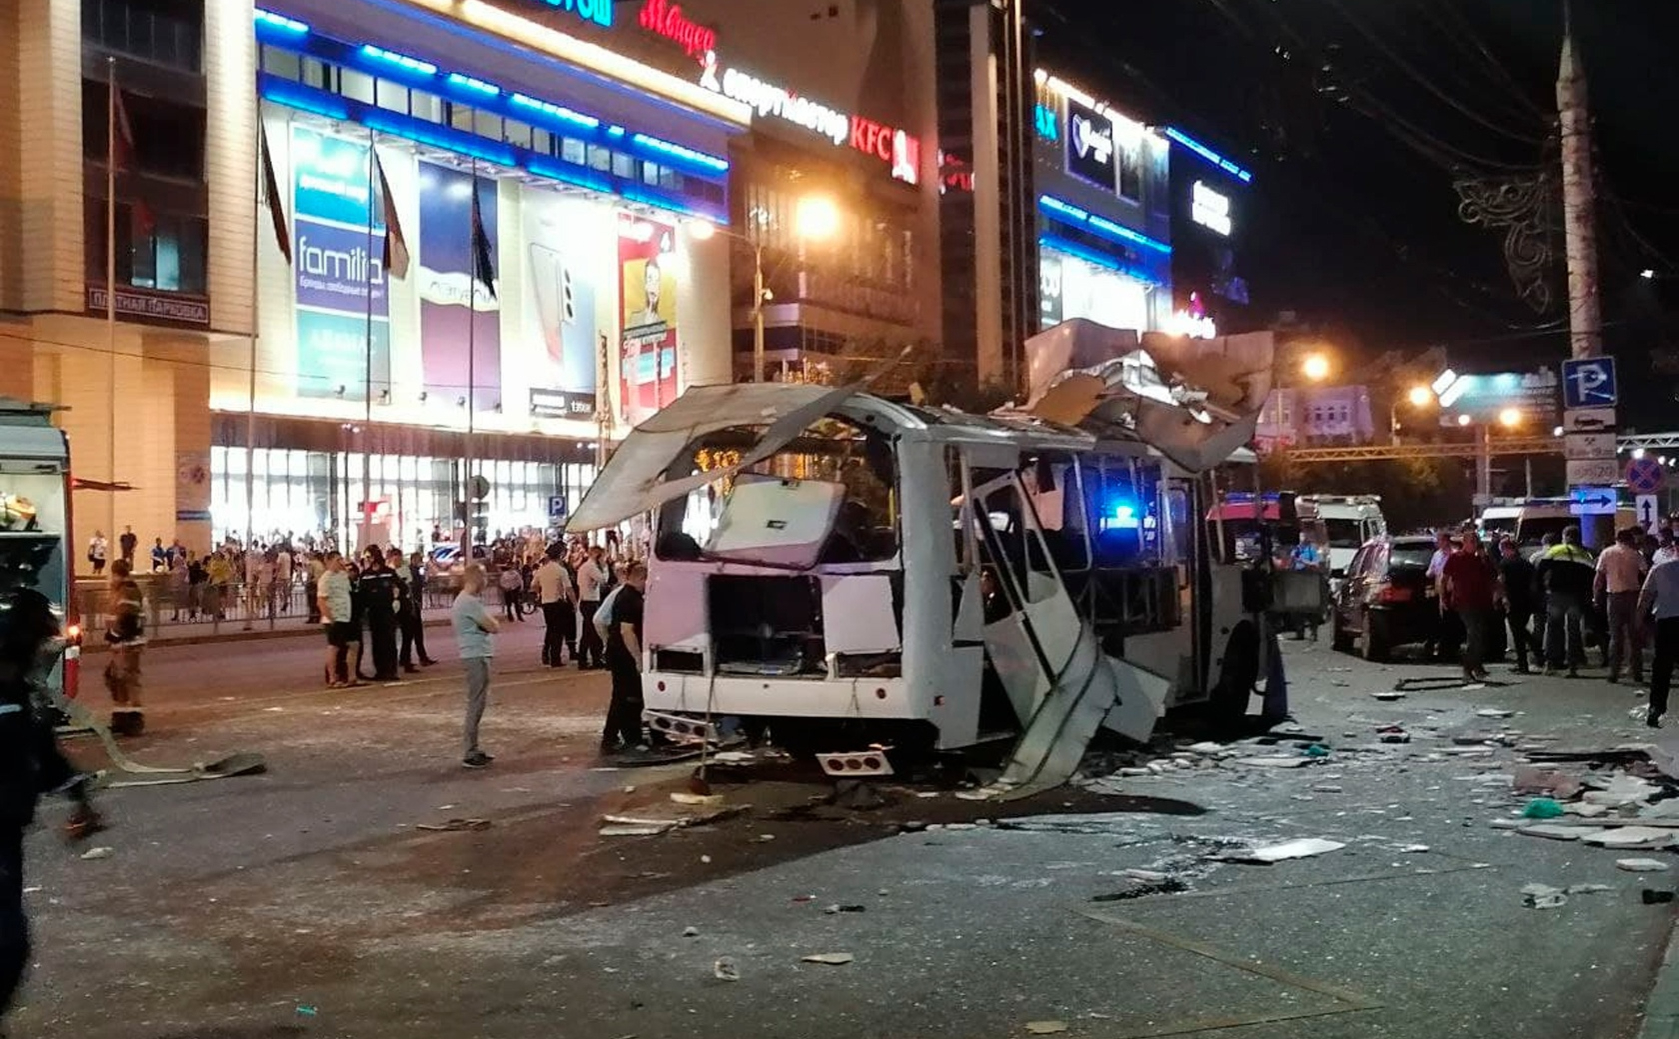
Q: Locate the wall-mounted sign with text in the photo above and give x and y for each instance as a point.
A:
(899, 150)
(145, 304)
(1210, 209)
(597, 12)
(667, 19)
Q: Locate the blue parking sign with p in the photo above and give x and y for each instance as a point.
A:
(1589, 383)
(556, 507)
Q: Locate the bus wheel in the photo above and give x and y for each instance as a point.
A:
(1238, 673)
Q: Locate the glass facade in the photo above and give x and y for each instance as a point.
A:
(299, 493)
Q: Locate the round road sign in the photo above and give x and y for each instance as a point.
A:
(1644, 476)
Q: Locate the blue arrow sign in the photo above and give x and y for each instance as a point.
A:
(1589, 383)
(1591, 501)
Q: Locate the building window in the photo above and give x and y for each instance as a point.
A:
(165, 32)
(425, 106)
(542, 142)
(486, 124)
(623, 165)
(392, 97)
(573, 150)
(599, 158)
(650, 173)
(517, 133)
(460, 116)
(167, 255)
(1131, 171)
(320, 75)
(283, 64)
(357, 86)
(168, 137)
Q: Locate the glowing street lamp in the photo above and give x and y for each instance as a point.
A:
(1510, 418)
(1420, 396)
(1315, 367)
(815, 218)
(1464, 420)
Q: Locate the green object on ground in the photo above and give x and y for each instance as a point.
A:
(1542, 808)
(1316, 750)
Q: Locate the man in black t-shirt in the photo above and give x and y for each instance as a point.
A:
(379, 586)
(623, 659)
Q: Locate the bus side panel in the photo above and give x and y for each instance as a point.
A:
(943, 680)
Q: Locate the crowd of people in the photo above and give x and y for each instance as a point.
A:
(1552, 599)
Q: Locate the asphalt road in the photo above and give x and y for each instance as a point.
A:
(305, 903)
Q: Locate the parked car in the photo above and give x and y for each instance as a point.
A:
(1388, 601)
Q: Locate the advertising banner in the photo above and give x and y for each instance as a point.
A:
(1090, 145)
(343, 306)
(456, 309)
(559, 305)
(647, 299)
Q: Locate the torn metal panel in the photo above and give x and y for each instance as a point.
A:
(1083, 691)
(777, 522)
(857, 614)
(634, 479)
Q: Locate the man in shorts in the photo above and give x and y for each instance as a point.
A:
(332, 598)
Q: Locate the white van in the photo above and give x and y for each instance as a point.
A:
(1537, 517)
(1341, 523)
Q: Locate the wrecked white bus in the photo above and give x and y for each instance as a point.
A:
(861, 574)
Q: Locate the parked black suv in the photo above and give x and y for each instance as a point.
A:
(1387, 600)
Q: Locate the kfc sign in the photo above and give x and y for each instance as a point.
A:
(668, 20)
(899, 150)
(894, 147)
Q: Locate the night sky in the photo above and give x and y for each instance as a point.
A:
(1356, 119)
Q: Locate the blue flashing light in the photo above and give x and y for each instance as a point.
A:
(1099, 224)
(677, 151)
(1211, 156)
(401, 61)
(439, 137)
(295, 95)
(1122, 515)
(559, 112)
(473, 84)
(280, 21)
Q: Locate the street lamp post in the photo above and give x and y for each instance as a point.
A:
(1419, 397)
(815, 218)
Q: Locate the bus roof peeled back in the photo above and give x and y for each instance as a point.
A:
(635, 479)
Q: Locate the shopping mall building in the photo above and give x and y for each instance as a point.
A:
(360, 242)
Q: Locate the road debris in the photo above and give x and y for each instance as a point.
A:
(1559, 832)
(455, 825)
(98, 853)
(1543, 896)
(1543, 808)
(1631, 837)
(1046, 1027)
(1641, 865)
(682, 797)
(837, 908)
(643, 826)
(831, 959)
(1654, 897)
(1166, 886)
(1495, 712)
(690, 932)
(1393, 734)
(1388, 696)
(725, 970)
(1300, 848)
(1273, 762)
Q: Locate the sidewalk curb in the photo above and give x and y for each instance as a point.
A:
(1661, 1010)
(237, 635)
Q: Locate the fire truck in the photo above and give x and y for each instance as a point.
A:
(35, 521)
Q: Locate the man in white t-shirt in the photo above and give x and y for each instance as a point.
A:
(552, 586)
(591, 582)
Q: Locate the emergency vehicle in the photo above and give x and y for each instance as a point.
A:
(35, 521)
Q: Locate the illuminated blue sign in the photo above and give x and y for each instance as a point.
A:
(597, 11)
(1211, 156)
(1048, 127)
